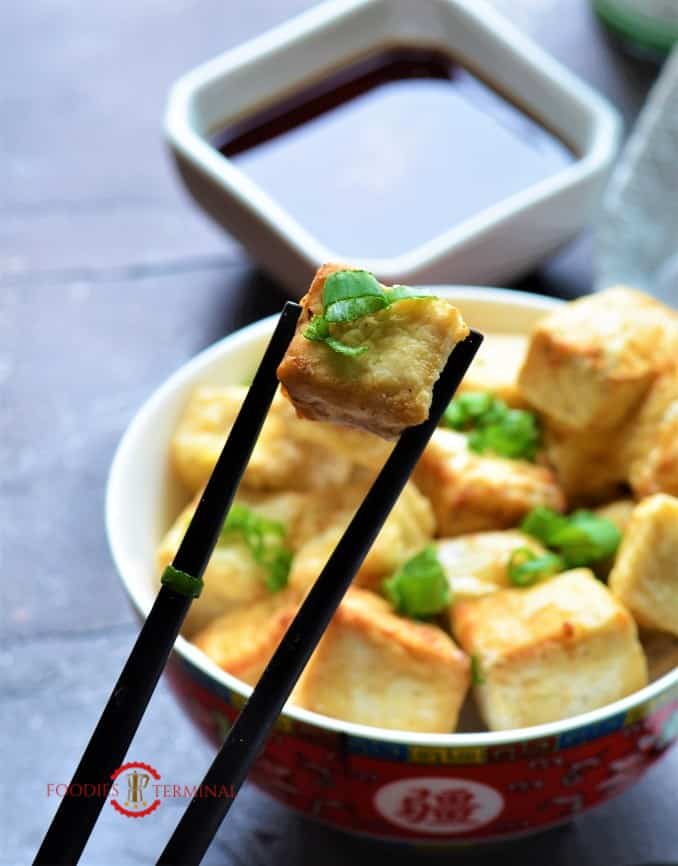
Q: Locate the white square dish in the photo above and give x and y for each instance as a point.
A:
(497, 243)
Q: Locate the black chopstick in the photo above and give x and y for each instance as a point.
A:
(76, 816)
(203, 816)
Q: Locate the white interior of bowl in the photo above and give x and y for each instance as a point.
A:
(143, 497)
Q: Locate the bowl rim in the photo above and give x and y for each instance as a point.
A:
(186, 373)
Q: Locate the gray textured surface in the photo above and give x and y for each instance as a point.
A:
(109, 280)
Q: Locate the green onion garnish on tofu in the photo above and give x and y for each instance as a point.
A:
(419, 588)
(264, 539)
(477, 678)
(581, 538)
(526, 567)
(587, 539)
(514, 435)
(469, 410)
(493, 427)
(347, 296)
(542, 523)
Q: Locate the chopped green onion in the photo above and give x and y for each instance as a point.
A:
(477, 678)
(353, 308)
(582, 538)
(526, 567)
(404, 293)
(264, 539)
(420, 587)
(467, 410)
(493, 427)
(318, 330)
(181, 582)
(349, 295)
(515, 436)
(542, 523)
(344, 349)
(251, 524)
(279, 562)
(587, 539)
(343, 285)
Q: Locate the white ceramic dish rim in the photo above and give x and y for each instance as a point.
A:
(181, 132)
(190, 372)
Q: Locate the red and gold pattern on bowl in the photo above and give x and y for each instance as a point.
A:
(395, 790)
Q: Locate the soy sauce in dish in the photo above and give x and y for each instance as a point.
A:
(389, 152)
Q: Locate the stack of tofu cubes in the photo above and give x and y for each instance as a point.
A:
(601, 372)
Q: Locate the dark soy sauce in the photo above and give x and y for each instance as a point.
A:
(391, 151)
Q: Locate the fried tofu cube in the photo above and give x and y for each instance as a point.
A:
(560, 648)
(652, 440)
(233, 577)
(387, 388)
(496, 367)
(280, 460)
(645, 573)
(407, 529)
(590, 363)
(477, 564)
(243, 640)
(473, 492)
(376, 668)
(361, 448)
(590, 466)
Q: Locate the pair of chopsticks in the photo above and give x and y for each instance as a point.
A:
(75, 818)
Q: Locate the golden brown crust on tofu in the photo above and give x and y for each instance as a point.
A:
(589, 466)
(558, 649)
(496, 367)
(243, 640)
(473, 492)
(652, 440)
(281, 458)
(645, 573)
(477, 564)
(407, 529)
(590, 362)
(377, 391)
(376, 668)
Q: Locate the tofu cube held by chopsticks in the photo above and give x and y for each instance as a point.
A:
(365, 355)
